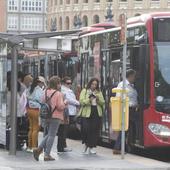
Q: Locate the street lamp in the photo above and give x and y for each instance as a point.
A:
(109, 16)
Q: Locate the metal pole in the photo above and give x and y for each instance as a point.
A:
(46, 67)
(123, 93)
(13, 115)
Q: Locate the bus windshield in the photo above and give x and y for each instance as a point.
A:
(162, 76)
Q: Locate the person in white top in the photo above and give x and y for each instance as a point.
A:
(133, 108)
(70, 113)
(21, 110)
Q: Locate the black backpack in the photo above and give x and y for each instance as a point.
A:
(46, 110)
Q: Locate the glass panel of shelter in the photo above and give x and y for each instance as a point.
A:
(3, 98)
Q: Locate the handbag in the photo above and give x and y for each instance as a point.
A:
(78, 119)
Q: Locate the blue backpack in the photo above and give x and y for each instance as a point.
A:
(46, 110)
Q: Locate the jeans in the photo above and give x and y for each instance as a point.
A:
(48, 140)
(33, 117)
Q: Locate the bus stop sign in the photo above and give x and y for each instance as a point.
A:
(122, 23)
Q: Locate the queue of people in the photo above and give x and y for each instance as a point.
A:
(66, 107)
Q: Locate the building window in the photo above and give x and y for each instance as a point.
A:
(109, 0)
(60, 23)
(137, 14)
(32, 5)
(85, 1)
(56, 2)
(13, 5)
(76, 1)
(67, 23)
(61, 2)
(97, 1)
(139, 0)
(85, 21)
(12, 22)
(53, 26)
(67, 1)
(123, 0)
(96, 19)
(31, 23)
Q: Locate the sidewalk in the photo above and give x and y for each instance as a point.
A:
(75, 160)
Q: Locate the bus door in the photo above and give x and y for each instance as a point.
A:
(139, 61)
(106, 89)
(84, 69)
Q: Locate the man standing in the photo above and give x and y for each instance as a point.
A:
(133, 106)
(70, 114)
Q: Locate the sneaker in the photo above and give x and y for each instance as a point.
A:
(36, 153)
(67, 149)
(85, 149)
(49, 158)
(92, 151)
(29, 150)
(116, 152)
(60, 153)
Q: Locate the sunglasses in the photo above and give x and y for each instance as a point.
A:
(69, 83)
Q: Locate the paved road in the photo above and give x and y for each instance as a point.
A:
(75, 160)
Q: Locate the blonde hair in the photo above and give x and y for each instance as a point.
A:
(28, 79)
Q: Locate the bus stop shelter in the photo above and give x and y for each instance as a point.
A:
(16, 43)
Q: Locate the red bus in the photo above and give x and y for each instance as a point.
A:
(148, 52)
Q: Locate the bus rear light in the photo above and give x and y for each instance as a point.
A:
(159, 130)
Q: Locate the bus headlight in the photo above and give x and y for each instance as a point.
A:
(159, 130)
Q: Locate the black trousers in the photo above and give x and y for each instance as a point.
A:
(22, 131)
(62, 134)
(91, 128)
(133, 132)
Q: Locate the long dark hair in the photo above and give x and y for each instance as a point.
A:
(91, 81)
(34, 84)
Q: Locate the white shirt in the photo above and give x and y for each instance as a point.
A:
(21, 104)
(71, 98)
(132, 93)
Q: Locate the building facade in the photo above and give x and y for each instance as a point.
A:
(69, 14)
(24, 16)
(3, 16)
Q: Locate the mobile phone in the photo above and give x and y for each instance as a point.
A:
(92, 95)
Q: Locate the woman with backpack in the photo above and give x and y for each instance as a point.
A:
(34, 100)
(58, 105)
